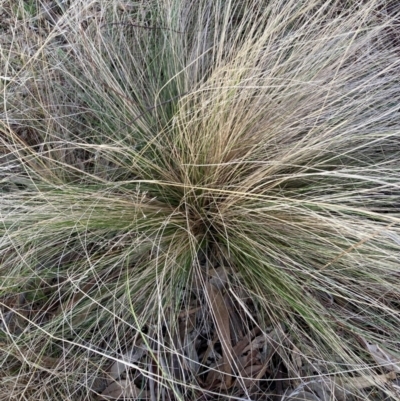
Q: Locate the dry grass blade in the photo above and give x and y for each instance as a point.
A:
(302, 396)
(199, 200)
(327, 388)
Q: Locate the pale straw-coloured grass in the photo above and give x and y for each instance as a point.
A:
(200, 200)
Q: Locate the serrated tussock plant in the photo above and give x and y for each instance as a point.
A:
(184, 179)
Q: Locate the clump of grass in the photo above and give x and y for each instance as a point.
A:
(200, 200)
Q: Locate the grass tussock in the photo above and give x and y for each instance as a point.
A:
(200, 200)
